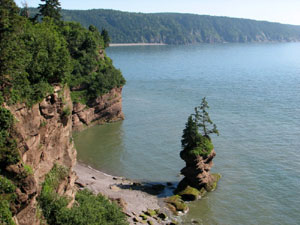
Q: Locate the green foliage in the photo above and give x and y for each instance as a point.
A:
(88, 208)
(8, 147)
(203, 147)
(66, 112)
(51, 9)
(193, 141)
(93, 74)
(6, 186)
(175, 28)
(203, 120)
(34, 56)
(105, 37)
(6, 119)
(5, 213)
(28, 169)
(91, 209)
(43, 123)
(7, 195)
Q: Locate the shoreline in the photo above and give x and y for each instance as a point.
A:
(134, 197)
(134, 44)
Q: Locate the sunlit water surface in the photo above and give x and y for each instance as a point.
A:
(254, 95)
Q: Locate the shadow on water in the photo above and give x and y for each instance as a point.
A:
(159, 189)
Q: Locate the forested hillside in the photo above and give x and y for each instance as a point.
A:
(175, 28)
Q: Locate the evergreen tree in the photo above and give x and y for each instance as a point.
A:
(11, 26)
(190, 134)
(199, 126)
(25, 11)
(51, 9)
(203, 120)
(105, 37)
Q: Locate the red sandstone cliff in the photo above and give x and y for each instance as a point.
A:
(106, 108)
(44, 136)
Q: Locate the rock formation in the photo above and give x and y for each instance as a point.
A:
(197, 178)
(43, 134)
(198, 153)
(106, 108)
(44, 137)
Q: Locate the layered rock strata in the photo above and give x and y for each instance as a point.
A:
(106, 108)
(44, 137)
(197, 177)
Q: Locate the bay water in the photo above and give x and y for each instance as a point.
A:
(253, 91)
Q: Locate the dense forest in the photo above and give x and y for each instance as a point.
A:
(176, 28)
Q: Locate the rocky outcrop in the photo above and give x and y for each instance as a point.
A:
(197, 177)
(44, 138)
(106, 108)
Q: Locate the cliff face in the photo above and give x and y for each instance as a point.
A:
(44, 136)
(106, 108)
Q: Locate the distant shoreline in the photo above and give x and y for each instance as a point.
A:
(133, 44)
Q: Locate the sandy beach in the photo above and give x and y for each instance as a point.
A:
(134, 197)
(133, 44)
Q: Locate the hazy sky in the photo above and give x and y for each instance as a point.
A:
(283, 11)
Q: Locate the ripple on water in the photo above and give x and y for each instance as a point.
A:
(254, 93)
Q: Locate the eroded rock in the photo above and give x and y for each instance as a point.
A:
(106, 108)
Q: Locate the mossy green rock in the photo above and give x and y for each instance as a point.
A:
(189, 194)
(176, 202)
(151, 212)
(144, 216)
(202, 192)
(213, 185)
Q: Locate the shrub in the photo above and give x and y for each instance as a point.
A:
(28, 169)
(8, 147)
(5, 213)
(204, 147)
(7, 195)
(88, 208)
(6, 186)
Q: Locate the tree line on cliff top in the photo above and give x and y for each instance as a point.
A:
(38, 52)
(177, 28)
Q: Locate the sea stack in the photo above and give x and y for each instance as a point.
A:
(198, 153)
(197, 177)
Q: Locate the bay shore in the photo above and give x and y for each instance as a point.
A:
(133, 44)
(139, 201)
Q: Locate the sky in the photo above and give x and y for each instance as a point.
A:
(282, 11)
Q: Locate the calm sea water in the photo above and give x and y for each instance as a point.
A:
(254, 95)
